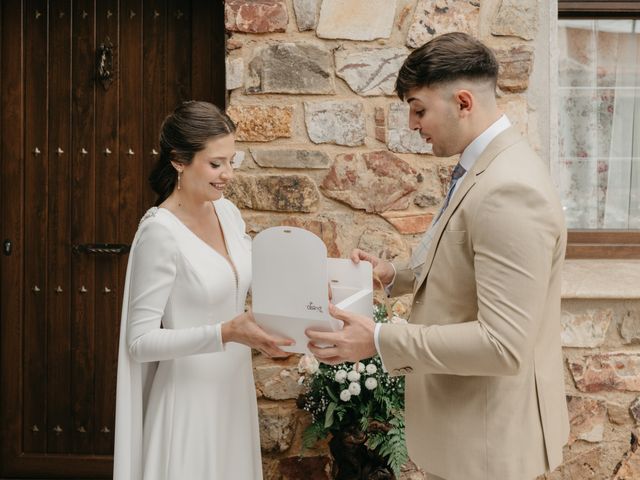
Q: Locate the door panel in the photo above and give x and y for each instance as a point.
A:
(84, 217)
(36, 181)
(84, 87)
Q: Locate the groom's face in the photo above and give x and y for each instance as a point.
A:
(433, 113)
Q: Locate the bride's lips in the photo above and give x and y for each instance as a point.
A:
(218, 186)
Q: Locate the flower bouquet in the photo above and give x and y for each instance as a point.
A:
(362, 407)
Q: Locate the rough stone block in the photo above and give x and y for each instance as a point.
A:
(587, 418)
(291, 158)
(584, 466)
(280, 193)
(630, 327)
(517, 110)
(435, 17)
(256, 16)
(516, 18)
(234, 73)
(427, 200)
(356, 19)
(584, 328)
(277, 426)
(290, 68)
(618, 413)
(516, 63)
(375, 182)
(607, 372)
(277, 383)
(340, 122)
(629, 467)
(261, 123)
(634, 409)
(383, 244)
(401, 139)
(370, 71)
(409, 223)
(307, 12)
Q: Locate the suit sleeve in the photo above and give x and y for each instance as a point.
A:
(513, 236)
(153, 273)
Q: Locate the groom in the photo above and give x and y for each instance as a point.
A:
(481, 353)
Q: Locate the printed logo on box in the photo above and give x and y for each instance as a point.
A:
(313, 307)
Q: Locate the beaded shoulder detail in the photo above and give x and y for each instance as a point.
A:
(150, 213)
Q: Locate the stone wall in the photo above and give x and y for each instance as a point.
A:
(327, 147)
(601, 338)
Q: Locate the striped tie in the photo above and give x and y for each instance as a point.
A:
(419, 254)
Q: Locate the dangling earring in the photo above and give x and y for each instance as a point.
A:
(179, 175)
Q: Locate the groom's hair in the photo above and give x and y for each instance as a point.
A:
(447, 58)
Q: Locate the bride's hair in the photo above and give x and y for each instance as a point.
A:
(184, 133)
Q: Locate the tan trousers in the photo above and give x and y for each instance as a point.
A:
(431, 476)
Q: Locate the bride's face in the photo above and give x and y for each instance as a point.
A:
(205, 178)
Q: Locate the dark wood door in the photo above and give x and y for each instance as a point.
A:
(84, 87)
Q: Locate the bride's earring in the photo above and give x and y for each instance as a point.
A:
(179, 175)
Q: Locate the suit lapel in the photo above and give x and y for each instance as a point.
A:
(497, 145)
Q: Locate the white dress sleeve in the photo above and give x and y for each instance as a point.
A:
(153, 273)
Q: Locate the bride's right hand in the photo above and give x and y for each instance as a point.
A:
(244, 329)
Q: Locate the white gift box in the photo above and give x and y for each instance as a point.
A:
(291, 278)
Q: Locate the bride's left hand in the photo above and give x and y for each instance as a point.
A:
(244, 329)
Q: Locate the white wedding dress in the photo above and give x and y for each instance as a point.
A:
(186, 405)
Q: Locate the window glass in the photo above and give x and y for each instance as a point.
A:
(598, 169)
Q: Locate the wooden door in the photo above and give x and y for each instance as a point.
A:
(84, 87)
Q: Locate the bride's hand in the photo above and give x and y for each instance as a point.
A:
(244, 329)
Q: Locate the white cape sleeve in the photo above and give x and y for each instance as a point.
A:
(151, 273)
(134, 380)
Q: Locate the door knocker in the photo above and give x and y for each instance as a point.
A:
(105, 63)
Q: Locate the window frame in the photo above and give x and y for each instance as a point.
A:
(605, 244)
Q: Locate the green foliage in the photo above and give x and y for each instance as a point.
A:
(378, 411)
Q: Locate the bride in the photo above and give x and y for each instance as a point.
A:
(186, 404)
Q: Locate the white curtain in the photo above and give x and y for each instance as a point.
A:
(599, 124)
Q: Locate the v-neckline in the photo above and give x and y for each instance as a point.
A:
(226, 257)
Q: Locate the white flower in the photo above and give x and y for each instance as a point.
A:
(301, 380)
(371, 369)
(353, 376)
(359, 367)
(340, 376)
(308, 364)
(354, 388)
(371, 383)
(345, 396)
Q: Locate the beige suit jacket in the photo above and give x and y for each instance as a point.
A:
(485, 395)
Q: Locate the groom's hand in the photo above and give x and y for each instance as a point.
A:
(351, 344)
(381, 268)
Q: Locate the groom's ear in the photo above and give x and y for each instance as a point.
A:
(466, 102)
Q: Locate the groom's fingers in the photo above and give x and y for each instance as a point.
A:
(335, 312)
(282, 341)
(322, 337)
(325, 354)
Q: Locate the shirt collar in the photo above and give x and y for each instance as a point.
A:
(477, 146)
